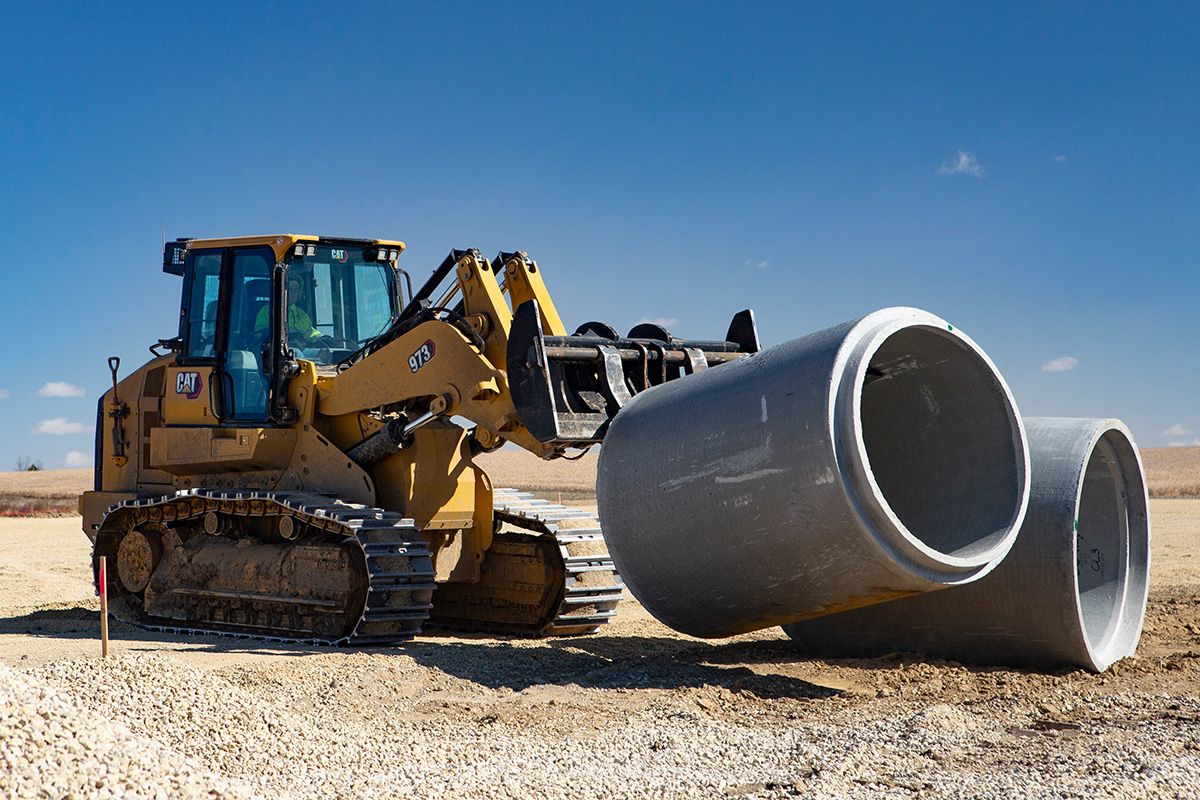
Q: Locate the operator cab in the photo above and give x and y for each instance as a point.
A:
(336, 295)
(337, 300)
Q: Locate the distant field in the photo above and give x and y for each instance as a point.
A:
(46, 482)
(1171, 472)
(44, 492)
(575, 480)
(57, 491)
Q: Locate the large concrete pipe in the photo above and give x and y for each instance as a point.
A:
(1071, 592)
(876, 459)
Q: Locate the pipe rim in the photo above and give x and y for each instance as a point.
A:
(1119, 636)
(864, 492)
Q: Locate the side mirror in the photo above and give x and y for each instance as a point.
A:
(172, 345)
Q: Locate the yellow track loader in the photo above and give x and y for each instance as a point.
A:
(299, 462)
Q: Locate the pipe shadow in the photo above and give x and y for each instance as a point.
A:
(619, 662)
(602, 662)
(517, 663)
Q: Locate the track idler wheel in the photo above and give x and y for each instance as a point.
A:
(137, 557)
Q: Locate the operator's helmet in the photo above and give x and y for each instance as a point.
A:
(295, 287)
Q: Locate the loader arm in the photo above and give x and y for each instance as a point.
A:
(451, 360)
(451, 378)
(515, 372)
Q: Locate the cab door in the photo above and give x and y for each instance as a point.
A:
(219, 376)
(215, 410)
(244, 379)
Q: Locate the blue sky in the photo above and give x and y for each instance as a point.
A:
(1028, 172)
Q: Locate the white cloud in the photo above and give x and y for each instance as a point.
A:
(1060, 159)
(60, 389)
(665, 322)
(963, 163)
(78, 459)
(60, 426)
(5, 394)
(1064, 364)
(755, 263)
(1192, 443)
(1176, 430)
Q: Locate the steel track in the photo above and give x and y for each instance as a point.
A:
(585, 604)
(397, 600)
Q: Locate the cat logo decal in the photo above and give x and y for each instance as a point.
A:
(189, 384)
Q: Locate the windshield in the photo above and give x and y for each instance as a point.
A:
(337, 300)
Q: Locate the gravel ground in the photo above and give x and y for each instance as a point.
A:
(53, 746)
(638, 711)
(359, 724)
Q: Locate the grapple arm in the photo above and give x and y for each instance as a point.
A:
(567, 388)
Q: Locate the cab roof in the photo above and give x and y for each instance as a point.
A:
(282, 243)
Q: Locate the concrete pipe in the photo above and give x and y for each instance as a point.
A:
(876, 459)
(1071, 592)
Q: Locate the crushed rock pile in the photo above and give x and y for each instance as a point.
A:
(50, 746)
(350, 725)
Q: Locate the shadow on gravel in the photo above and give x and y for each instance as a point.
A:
(619, 662)
(80, 622)
(76, 622)
(603, 662)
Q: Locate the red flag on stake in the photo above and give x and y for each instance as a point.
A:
(103, 607)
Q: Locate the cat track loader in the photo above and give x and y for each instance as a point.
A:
(299, 462)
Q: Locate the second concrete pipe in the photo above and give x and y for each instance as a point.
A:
(1071, 593)
(873, 460)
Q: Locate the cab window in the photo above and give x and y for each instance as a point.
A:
(337, 300)
(373, 300)
(200, 335)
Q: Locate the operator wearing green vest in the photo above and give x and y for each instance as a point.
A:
(301, 330)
